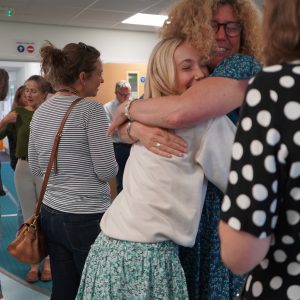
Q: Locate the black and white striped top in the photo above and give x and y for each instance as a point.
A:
(86, 160)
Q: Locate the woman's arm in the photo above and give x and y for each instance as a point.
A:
(210, 97)
(241, 251)
(169, 143)
(11, 117)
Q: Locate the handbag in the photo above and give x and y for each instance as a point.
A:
(30, 245)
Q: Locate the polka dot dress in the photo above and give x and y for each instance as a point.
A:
(263, 196)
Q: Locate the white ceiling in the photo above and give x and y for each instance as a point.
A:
(105, 14)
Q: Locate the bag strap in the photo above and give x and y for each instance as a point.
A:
(53, 157)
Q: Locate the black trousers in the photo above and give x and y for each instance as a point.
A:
(122, 152)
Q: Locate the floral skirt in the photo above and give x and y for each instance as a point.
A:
(206, 275)
(118, 269)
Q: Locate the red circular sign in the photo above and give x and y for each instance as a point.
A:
(30, 49)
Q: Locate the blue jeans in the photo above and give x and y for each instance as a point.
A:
(69, 238)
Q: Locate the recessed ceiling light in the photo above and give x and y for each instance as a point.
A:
(146, 19)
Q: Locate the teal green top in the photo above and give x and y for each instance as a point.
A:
(22, 126)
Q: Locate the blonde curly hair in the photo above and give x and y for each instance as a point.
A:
(191, 19)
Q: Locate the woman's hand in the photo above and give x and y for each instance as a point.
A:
(11, 117)
(159, 141)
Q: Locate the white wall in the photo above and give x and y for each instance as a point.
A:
(115, 46)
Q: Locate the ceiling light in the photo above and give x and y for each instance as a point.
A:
(146, 19)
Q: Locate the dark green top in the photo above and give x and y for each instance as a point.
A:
(22, 126)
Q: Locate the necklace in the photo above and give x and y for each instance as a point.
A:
(68, 90)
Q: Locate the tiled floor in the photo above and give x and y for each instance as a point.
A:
(14, 289)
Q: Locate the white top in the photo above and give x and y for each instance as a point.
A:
(162, 198)
(110, 110)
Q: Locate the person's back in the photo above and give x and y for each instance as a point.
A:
(260, 216)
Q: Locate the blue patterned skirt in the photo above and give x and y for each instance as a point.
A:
(117, 269)
(206, 275)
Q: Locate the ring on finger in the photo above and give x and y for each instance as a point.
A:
(157, 145)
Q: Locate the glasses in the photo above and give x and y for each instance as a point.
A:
(232, 29)
(124, 95)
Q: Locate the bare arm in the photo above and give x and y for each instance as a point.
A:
(210, 97)
(11, 117)
(241, 251)
(170, 143)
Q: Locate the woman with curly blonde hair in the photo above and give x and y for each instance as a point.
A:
(231, 35)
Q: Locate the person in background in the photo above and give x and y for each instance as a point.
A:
(77, 194)
(10, 132)
(122, 149)
(235, 27)
(260, 220)
(4, 83)
(27, 185)
(4, 80)
(160, 204)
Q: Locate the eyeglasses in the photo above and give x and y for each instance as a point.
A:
(123, 95)
(232, 29)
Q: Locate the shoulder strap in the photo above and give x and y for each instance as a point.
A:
(53, 157)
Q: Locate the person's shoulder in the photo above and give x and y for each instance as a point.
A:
(237, 66)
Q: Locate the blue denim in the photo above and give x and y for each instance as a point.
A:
(69, 237)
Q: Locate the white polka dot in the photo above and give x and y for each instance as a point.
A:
(271, 69)
(282, 153)
(280, 256)
(253, 97)
(298, 257)
(251, 80)
(264, 264)
(233, 177)
(295, 193)
(237, 151)
(234, 223)
(287, 81)
(259, 192)
(263, 235)
(257, 289)
(256, 148)
(226, 204)
(243, 201)
(276, 282)
(293, 269)
(296, 70)
(273, 95)
(246, 124)
(259, 218)
(293, 217)
(273, 206)
(288, 240)
(274, 221)
(273, 137)
(270, 164)
(247, 172)
(293, 292)
(264, 118)
(275, 186)
(292, 110)
(296, 138)
(248, 283)
(295, 170)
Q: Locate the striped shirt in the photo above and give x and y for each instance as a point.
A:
(85, 160)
